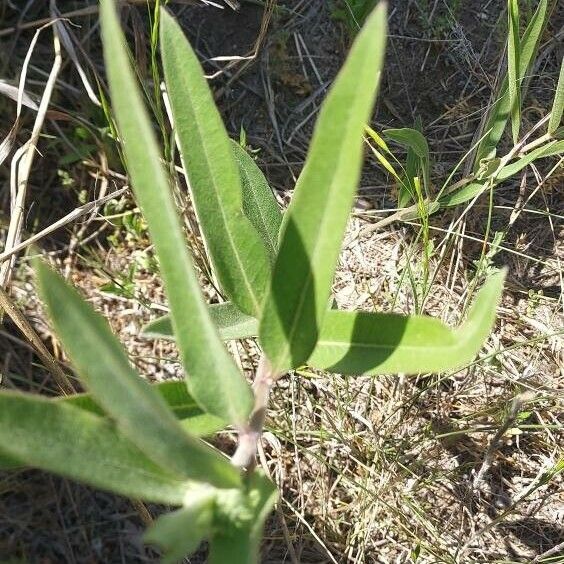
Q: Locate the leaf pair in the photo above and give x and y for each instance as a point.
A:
(296, 323)
(141, 450)
(382, 343)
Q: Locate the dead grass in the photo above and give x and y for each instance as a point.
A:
(460, 467)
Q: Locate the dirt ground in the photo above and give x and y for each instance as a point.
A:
(371, 470)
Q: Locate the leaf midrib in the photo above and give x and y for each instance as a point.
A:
(272, 243)
(462, 337)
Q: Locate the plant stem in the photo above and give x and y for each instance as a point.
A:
(249, 436)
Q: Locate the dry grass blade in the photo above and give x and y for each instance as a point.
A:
(23, 167)
(62, 380)
(21, 98)
(13, 93)
(72, 216)
(67, 42)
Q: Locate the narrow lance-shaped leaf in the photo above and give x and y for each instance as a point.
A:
(371, 343)
(558, 104)
(232, 324)
(177, 398)
(180, 533)
(66, 440)
(470, 191)
(213, 379)
(314, 224)
(189, 414)
(550, 149)
(235, 248)
(139, 412)
(259, 204)
(513, 55)
(465, 194)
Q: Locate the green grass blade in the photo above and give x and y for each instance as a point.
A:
(558, 104)
(180, 533)
(259, 204)
(406, 189)
(239, 525)
(465, 194)
(368, 343)
(513, 76)
(500, 110)
(213, 379)
(63, 439)
(548, 150)
(231, 323)
(235, 248)
(139, 412)
(314, 224)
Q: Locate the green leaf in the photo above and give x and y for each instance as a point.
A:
(513, 55)
(558, 104)
(470, 191)
(235, 248)
(369, 343)
(465, 194)
(180, 533)
(314, 224)
(63, 439)
(239, 522)
(418, 159)
(548, 150)
(184, 407)
(139, 412)
(213, 379)
(408, 137)
(231, 323)
(500, 110)
(259, 204)
(176, 396)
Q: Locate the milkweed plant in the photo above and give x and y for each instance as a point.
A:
(148, 442)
